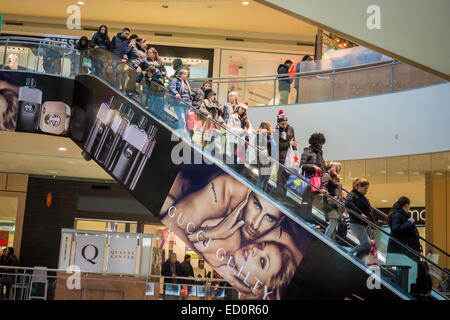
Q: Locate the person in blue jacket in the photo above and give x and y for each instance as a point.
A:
(181, 89)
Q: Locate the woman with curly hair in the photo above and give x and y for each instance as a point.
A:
(312, 162)
(9, 101)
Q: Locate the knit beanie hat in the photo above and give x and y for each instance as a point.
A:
(281, 116)
(209, 92)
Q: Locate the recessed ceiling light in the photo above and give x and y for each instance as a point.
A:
(80, 3)
(62, 149)
(245, 3)
(383, 200)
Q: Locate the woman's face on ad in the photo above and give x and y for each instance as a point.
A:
(259, 217)
(261, 260)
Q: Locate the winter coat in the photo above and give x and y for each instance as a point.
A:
(312, 156)
(360, 204)
(335, 191)
(187, 269)
(80, 47)
(405, 231)
(228, 110)
(197, 96)
(165, 271)
(235, 124)
(136, 56)
(212, 108)
(117, 45)
(158, 64)
(267, 148)
(181, 87)
(102, 41)
(157, 78)
(285, 144)
(284, 82)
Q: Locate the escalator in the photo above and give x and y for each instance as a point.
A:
(160, 150)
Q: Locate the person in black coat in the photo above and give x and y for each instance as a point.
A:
(82, 45)
(286, 139)
(356, 201)
(171, 268)
(311, 163)
(100, 40)
(284, 82)
(117, 42)
(402, 229)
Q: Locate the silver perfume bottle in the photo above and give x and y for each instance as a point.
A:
(144, 156)
(102, 122)
(134, 139)
(30, 100)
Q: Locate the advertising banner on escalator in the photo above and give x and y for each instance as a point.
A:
(238, 230)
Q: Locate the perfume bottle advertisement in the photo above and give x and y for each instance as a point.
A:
(35, 103)
(124, 140)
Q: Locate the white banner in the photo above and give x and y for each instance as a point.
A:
(89, 253)
(65, 249)
(122, 255)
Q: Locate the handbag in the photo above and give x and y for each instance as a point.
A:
(86, 62)
(316, 181)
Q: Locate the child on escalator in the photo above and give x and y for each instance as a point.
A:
(153, 90)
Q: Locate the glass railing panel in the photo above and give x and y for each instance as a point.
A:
(315, 88)
(362, 83)
(408, 77)
(20, 56)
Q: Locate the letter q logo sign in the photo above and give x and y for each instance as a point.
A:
(90, 253)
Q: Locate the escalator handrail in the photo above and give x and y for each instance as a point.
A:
(421, 238)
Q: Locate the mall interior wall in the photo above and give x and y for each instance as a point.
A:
(42, 223)
(400, 123)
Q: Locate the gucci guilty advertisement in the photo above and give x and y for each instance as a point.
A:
(124, 140)
(35, 103)
(252, 244)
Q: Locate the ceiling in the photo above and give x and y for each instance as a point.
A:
(40, 155)
(202, 14)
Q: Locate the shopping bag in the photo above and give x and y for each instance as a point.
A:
(371, 258)
(292, 159)
(316, 181)
(296, 184)
(86, 62)
(191, 118)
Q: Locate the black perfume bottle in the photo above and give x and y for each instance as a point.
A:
(143, 157)
(30, 100)
(115, 143)
(102, 122)
(134, 139)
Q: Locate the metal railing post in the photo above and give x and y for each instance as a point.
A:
(274, 90)
(6, 52)
(392, 76)
(36, 67)
(332, 86)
